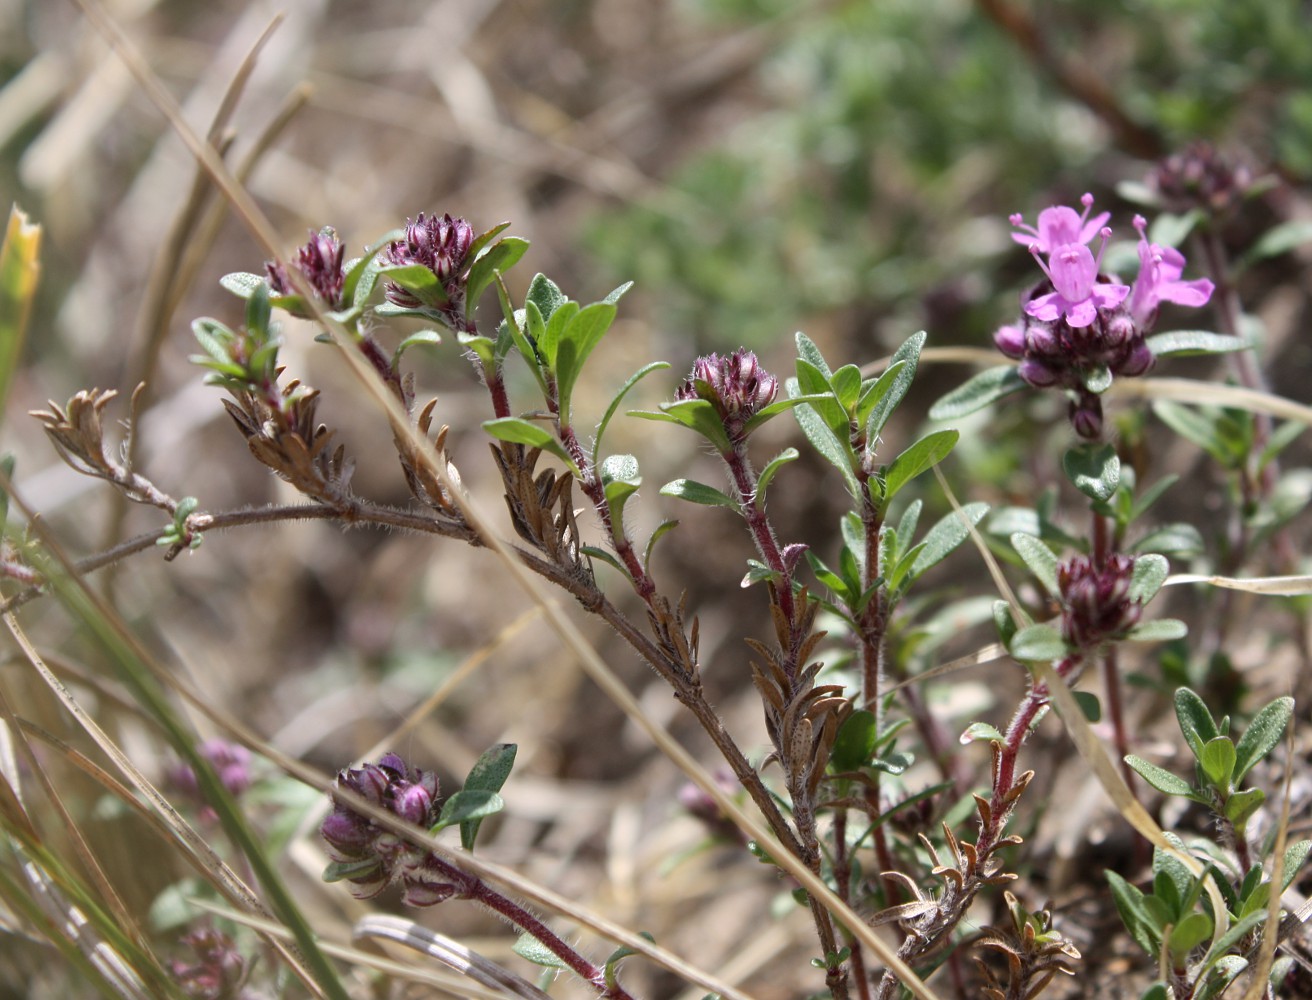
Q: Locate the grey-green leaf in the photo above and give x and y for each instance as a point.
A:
(1094, 469)
(1149, 573)
(978, 392)
(909, 354)
(489, 773)
(1178, 343)
(920, 457)
(1040, 559)
(1262, 734)
(1038, 642)
(1160, 778)
(1158, 630)
(695, 492)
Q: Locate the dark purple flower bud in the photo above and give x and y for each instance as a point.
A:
(1086, 416)
(1038, 373)
(735, 384)
(378, 856)
(1201, 177)
(424, 887)
(441, 245)
(1010, 340)
(219, 972)
(1138, 361)
(231, 762)
(320, 261)
(1095, 602)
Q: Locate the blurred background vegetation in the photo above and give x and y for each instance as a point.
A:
(757, 166)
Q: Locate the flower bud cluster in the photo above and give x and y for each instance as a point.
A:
(218, 973)
(1200, 177)
(374, 857)
(1080, 327)
(1095, 601)
(232, 764)
(735, 384)
(321, 263)
(441, 245)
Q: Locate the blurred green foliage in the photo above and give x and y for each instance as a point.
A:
(897, 136)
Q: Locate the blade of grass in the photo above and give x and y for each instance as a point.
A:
(1284, 586)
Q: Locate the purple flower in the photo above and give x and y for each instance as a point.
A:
(1059, 225)
(1201, 177)
(1078, 294)
(374, 856)
(232, 764)
(320, 261)
(735, 384)
(1159, 279)
(1096, 605)
(441, 245)
(220, 971)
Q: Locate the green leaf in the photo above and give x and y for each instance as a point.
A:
(1130, 903)
(1040, 559)
(1232, 936)
(1278, 240)
(617, 293)
(812, 382)
(980, 731)
(338, 871)
(1196, 427)
(920, 457)
(808, 352)
(909, 354)
(846, 383)
(1003, 621)
(1157, 991)
(431, 337)
(620, 480)
(500, 257)
(1218, 762)
(854, 743)
(1240, 806)
(1178, 343)
(695, 414)
(1295, 856)
(577, 342)
(528, 947)
(1097, 379)
(488, 774)
(837, 451)
(1219, 976)
(1149, 573)
(1178, 539)
(1158, 630)
(1038, 642)
(662, 529)
(242, 283)
(1262, 734)
(1160, 778)
(695, 492)
(978, 392)
(546, 295)
(1089, 705)
(634, 379)
(483, 239)
(549, 342)
(773, 466)
(467, 805)
(1093, 469)
(777, 407)
(520, 431)
(872, 391)
(1189, 933)
(1196, 722)
(939, 542)
(418, 280)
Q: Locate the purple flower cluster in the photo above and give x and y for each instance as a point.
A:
(218, 973)
(441, 245)
(735, 384)
(373, 857)
(232, 763)
(1080, 326)
(320, 261)
(1095, 602)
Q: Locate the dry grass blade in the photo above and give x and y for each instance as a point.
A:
(1266, 954)
(1281, 586)
(451, 953)
(205, 857)
(1190, 391)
